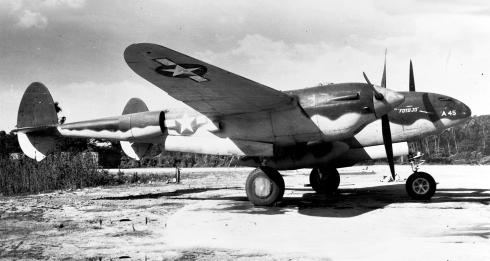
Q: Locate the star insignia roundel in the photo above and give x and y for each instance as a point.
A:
(186, 125)
(168, 68)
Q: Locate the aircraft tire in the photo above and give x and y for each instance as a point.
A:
(264, 186)
(326, 183)
(420, 186)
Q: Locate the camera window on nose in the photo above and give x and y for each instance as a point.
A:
(445, 99)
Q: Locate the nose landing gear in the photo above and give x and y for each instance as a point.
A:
(419, 185)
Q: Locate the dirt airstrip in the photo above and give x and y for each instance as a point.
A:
(208, 217)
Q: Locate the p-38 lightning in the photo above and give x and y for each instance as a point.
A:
(323, 128)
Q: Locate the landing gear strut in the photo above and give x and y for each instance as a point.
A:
(419, 185)
(324, 180)
(264, 186)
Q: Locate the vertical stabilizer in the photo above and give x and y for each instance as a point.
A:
(135, 150)
(135, 105)
(36, 122)
(36, 107)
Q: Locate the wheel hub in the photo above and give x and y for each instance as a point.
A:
(262, 187)
(322, 177)
(420, 186)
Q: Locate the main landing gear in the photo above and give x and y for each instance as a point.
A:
(324, 180)
(264, 186)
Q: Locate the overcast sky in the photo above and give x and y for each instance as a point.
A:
(75, 47)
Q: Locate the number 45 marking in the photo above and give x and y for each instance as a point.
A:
(450, 113)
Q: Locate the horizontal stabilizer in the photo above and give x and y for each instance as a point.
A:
(46, 129)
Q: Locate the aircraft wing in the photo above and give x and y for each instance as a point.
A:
(206, 88)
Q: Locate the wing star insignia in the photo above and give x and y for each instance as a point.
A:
(169, 68)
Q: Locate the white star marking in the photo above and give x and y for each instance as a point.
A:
(179, 70)
(186, 123)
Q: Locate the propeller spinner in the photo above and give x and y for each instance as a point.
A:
(384, 100)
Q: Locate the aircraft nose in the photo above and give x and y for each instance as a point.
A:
(388, 103)
(455, 113)
(465, 110)
(462, 110)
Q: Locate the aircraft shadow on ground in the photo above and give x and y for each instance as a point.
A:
(346, 203)
(350, 202)
(175, 193)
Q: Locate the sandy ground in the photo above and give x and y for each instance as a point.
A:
(208, 217)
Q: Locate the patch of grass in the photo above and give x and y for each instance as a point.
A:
(59, 171)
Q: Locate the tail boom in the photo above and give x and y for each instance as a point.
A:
(143, 126)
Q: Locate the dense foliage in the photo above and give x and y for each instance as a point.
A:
(467, 143)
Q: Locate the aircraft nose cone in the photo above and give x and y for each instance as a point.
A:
(390, 100)
(462, 110)
(466, 110)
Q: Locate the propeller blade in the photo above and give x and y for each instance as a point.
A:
(411, 85)
(377, 95)
(383, 79)
(385, 127)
